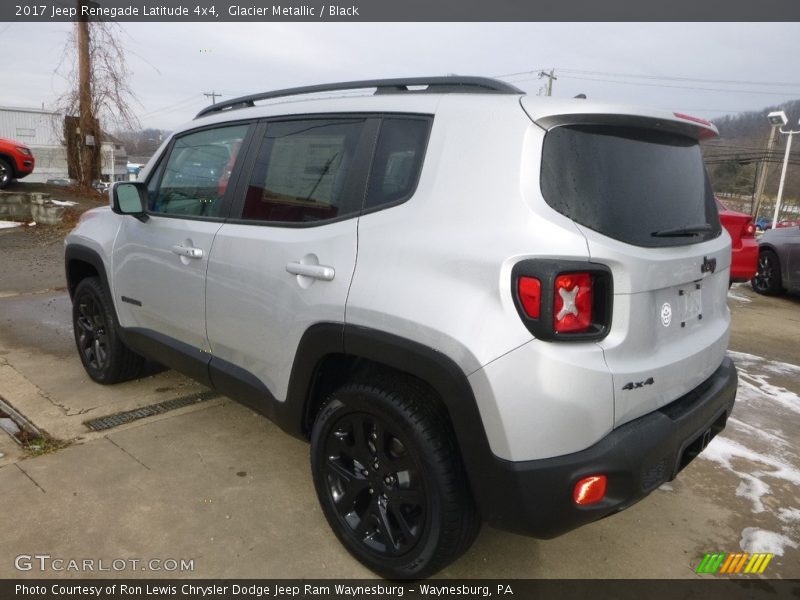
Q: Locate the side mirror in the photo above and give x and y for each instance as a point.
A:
(130, 198)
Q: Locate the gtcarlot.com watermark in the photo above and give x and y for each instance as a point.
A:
(45, 563)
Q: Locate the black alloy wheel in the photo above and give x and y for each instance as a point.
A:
(103, 353)
(389, 478)
(375, 484)
(6, 173)
(91, 332)
(767, 279)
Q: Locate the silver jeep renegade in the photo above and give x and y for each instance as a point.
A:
(477, 305)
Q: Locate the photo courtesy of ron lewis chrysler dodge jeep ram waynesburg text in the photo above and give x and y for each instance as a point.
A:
(477, 305)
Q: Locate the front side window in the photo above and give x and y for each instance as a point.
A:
(195, 175)
(302, 172)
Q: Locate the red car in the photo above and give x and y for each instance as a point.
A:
(744, 251)
(16, 161)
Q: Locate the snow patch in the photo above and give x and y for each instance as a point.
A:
(734, 296)
(743, 359)
(755, 387)
(9, 224)
(788, 515)
(767, 435)
(666, 487)
(752, 487)
(761, 540)
(754, 372)
(71, 203)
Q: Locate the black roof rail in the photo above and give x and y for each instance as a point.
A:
(436, 85)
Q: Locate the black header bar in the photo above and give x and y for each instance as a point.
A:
(400, 10)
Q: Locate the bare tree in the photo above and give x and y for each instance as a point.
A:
(99, 96)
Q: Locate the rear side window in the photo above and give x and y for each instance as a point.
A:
(303, 171)
(644, 187)
(398, 160)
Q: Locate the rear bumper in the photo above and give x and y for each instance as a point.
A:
(744, 260)
(535, 497)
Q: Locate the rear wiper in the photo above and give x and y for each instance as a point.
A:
(687, 231)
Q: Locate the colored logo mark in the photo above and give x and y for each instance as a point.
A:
(742, 562)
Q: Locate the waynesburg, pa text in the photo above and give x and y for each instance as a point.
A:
(304, 590)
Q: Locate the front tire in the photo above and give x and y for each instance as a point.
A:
(105, 357)
(767, 280)
(390, 482)
(6, 173)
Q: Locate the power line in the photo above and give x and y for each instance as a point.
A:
(170, 107)
(691, 79)
(680, 87)
(657, 77)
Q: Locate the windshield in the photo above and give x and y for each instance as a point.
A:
(640, 186)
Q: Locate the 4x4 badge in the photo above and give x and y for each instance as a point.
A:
(638, 384)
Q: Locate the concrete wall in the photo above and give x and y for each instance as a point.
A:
(51, 163)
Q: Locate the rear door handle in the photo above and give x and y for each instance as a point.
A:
(187, 252)
(314, 271)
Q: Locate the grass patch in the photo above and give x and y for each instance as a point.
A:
(39, 445)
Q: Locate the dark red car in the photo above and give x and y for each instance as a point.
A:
(16, 161)
(744, 246)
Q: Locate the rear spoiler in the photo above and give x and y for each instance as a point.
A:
(576, 112)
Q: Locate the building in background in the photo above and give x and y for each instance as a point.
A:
(43, 132)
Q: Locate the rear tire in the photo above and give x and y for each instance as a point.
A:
(767, 280)
(6, 173)
(390, 481)
(105, 357)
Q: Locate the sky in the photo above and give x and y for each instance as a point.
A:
(707, 69)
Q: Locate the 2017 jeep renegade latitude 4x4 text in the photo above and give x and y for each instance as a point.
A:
(477, 305)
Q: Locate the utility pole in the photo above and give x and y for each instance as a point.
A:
(762, 176)
(213, 95)
(551, 78)
(85, 116)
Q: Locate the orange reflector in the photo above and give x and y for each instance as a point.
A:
(590, 490)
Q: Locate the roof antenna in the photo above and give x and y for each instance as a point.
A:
(581, 96)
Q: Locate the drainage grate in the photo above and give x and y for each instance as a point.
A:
(118, 419)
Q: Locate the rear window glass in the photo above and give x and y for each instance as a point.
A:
(398, 160)
(640, 186)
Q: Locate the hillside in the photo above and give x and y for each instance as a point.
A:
(734, 158)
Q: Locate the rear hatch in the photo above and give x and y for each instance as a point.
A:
(636, 187)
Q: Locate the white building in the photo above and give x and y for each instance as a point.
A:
(43, 132)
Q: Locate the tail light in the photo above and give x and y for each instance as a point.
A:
(572, 311)
(749, 230)
(563, 300)
(530, 294)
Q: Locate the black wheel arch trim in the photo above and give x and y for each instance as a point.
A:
(77, 253)
(450, 382)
